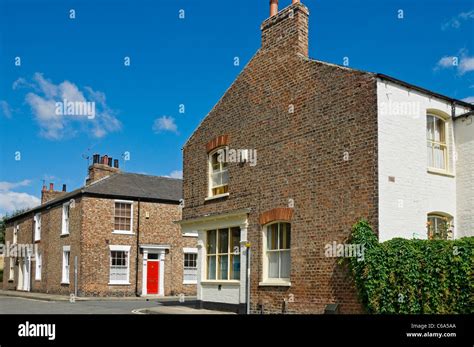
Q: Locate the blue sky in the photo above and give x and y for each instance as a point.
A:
(186, 62)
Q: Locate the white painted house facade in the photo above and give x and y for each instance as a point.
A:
(425, 163)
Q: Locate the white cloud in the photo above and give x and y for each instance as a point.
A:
(42, 100)
(165, 123)
(5, 109)
(469, 99)
(462, 62)
(176, 174)
(455, 22)
(11, 201)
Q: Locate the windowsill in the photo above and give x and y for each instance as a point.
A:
(64, 234)
(273, 283)
(123, 232)
(439, 172)
(222, 282)
(119, 283)
(65, 283)
(189, 282)
(216, 197)
(37, 241)
(37, 280)
(190, 235)
(11, 281)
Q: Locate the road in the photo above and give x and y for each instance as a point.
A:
(11, 305)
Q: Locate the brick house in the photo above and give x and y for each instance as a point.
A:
(116, 232)
(330, 150)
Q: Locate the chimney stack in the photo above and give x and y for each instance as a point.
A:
(286, 31)
(48, 195)
(101, 167)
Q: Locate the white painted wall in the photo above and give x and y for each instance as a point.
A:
(405, 203)
(464, 134)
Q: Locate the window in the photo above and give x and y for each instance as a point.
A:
(223, 254)
(11, 271)
(277, 252)
(39, 263)
(440, 227)
(66, 256)
(119, 264)
(65, 219)
(190, 266)
(436, 142)
(123, 217)
(16, 229)
(37, 221)
(219, 177)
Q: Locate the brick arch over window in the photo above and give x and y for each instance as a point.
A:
(282, 214)
(219, 141)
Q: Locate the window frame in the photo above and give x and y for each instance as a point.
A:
(37, 220)
(194, 252)
(119, 248)
(447, 218)
(38, 265)
(431, 143)
(66, 269)
(266, 280)
(221, 171)
(220, 254)
(11, 269)
(65, 219)
(124, 232)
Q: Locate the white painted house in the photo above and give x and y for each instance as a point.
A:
(426, 162)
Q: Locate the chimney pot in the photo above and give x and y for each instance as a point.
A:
(95, 159)
(105, 160)
(295, 2)
(273, 7)
(116, 163)
(51, 187)
(64, 187)
(109, 163)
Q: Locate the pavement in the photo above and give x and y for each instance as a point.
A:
(14, 302)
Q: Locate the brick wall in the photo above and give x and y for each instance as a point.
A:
(300, 157)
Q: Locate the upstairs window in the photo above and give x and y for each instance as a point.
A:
(37, 221)
(436, 142)
(218, 175)
(123, 217)
(65, 219)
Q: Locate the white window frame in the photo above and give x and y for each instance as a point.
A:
(229, 253)
(65, 219)
(38, 265)
(443, 145)
(120, 248)
(187, 250)
(11, 269)
(37, 226)
(266, 280)
(124, 232)
(211, 172)
(66, 266)
(447, 218)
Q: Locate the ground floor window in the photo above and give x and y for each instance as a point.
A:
(223, 254)
(190, 266)
(11, 270)
(66, 262)
(119, 264)
(440, 226)
(38, 262)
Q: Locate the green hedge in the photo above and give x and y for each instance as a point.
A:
(413, 276)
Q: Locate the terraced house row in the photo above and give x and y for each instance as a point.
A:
(329, 145)
(113, 237)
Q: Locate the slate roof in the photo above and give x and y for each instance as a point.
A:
(123, 185)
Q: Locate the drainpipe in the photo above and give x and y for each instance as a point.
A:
(138, 250)
(248, 278)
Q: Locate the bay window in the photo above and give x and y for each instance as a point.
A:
(223, 254)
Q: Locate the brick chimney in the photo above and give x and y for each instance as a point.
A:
(101, 167)
(47, 195)
(286, 30)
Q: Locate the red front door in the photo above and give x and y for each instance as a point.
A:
(153, 270)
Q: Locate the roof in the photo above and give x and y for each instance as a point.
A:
(128, 186)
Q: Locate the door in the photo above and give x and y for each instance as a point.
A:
(153, 270)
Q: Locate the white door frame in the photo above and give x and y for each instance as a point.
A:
(161, 251)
